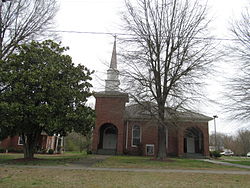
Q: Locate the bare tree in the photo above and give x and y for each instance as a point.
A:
(238, 143)
(243, 141)
(237, 101)
(170, 51)
(223, 141)
(23, 20)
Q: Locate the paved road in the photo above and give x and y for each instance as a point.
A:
(77, 167)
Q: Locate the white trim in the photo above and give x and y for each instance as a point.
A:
(56, 148)
(19, 140)
(132, 135)
(150, 145)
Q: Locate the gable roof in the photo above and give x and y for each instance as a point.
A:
(140, 112)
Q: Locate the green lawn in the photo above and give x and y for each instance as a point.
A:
(19, 177)
(114, 161)
(41, 159)
(27, 177)
(237, 160)
(147, 162)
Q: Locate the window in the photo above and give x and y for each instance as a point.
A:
(136, 135)
(20, 141)
(150, 149)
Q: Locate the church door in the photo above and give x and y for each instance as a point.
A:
(190, 145)
(109, 138)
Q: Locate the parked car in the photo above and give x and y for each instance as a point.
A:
(227, 153)
(248, 154)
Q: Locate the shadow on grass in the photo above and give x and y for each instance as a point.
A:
(41, 159)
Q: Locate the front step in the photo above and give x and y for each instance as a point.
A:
(106, 151)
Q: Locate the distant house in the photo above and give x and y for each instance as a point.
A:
(121, 129)
(45, 142)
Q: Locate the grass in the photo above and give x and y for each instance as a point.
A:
(17, 176)
(112, 161)
(27, 177)
(41, 159)
(237, 160)
(146, 162)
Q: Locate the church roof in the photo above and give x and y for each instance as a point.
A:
(140, 113)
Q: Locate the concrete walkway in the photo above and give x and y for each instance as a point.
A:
(77, 167)
(226, 163)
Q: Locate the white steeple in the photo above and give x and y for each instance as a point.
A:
(112, 83)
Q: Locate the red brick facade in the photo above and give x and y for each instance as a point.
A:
(110, 110)
(45, 143)
(11, 142)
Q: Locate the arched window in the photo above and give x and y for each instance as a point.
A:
(136, 135)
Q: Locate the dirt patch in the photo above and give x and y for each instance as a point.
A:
(90, 160)
(20, 160)
(163, 160)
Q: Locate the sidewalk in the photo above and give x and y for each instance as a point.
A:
(226, 163)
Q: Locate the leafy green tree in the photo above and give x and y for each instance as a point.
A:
(44, 91)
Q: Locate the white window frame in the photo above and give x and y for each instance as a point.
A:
(133, 135)
(150, 145)
(19, 141)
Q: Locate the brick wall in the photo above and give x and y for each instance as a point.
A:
(175, 137)
(148, 136)
(110, 109)
(202, 126)
(11, 142)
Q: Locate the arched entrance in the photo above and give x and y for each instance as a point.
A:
(193, 140)
(108, 137)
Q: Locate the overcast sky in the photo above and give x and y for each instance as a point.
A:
(84, 18)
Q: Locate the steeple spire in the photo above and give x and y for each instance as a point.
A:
(113, 63)
(112, 83)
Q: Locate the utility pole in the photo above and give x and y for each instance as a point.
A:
(215, 139)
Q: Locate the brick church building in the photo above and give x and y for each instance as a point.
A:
(129, 129)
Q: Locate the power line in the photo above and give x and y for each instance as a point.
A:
(133, 35)
(88, 32)
(89, 1)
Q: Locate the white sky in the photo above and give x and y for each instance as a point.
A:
(94, 50)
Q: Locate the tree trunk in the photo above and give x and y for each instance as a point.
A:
(162, 151)
(28, 147)
(28, 151)
(30, 142)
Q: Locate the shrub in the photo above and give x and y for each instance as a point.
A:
(210, 153)
(2, 150)
(74, 142)
(216, 154)
(51, 151)
(15, 150)
(42, 151)
(126, 152)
